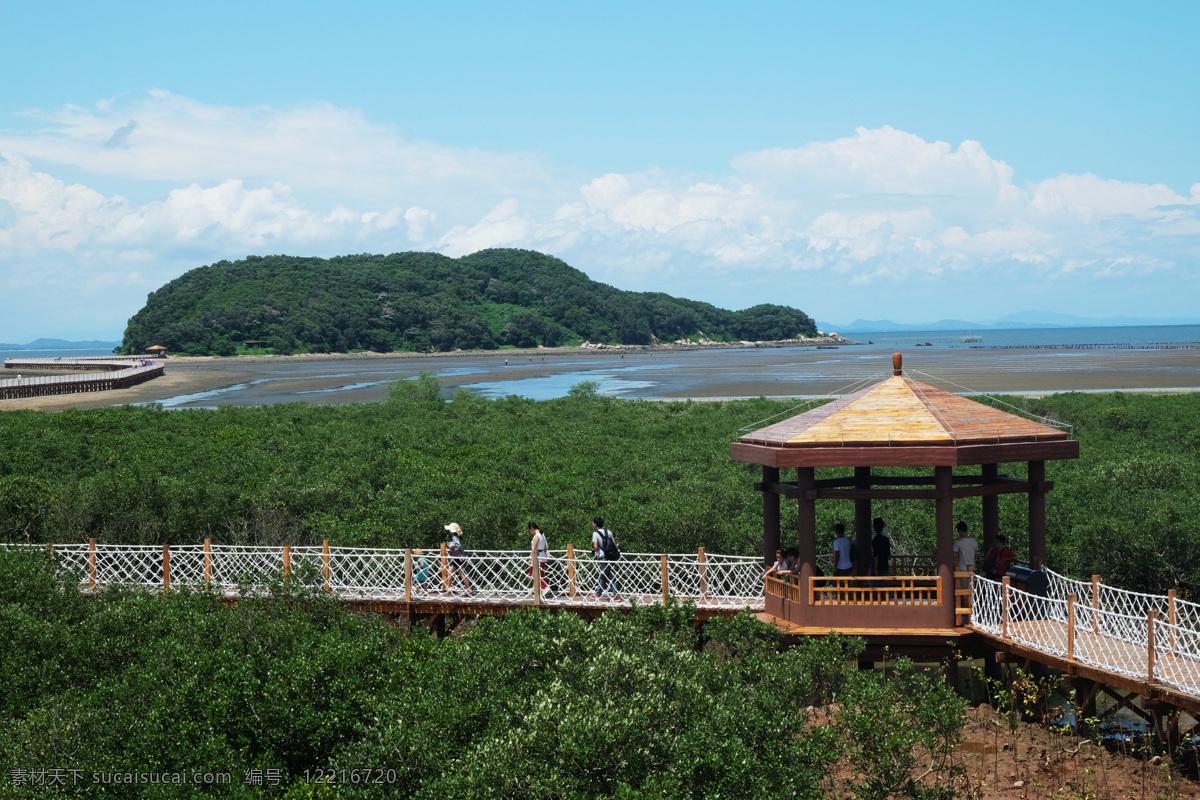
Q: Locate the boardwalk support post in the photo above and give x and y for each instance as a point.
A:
(166, 568)
(287, 563)
(703, 570)
(445, 569)
(325, 562)
(408, 575)
(1070, 627)
(570, 570)
(207, 561)
(666, 589)
(92, 566)
(1151, 618)
(535, 569)
(1004, 605)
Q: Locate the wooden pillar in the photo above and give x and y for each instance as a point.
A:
(166, 568)
(991, 507)
(943, 480)
(1171, 619)
(570, 570)
(806, 527)
(325, 561)
(666, 586)
(92, 563)
(445, 570)
(207, 561)
(771, 532)
(702, 568)
(1037, 515)
(287, 563)
(408, 574)
(862, 521)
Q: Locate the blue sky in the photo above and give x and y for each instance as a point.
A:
(908, 161)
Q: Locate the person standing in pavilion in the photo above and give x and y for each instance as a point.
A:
(965, 548)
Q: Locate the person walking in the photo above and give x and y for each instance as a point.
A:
(603, 543)
(458, 557)
(538, 544)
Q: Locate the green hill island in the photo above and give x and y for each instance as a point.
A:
(426, 302)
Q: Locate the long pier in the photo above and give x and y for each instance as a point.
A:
(410, 580)
(1143, 644)
(92, 374)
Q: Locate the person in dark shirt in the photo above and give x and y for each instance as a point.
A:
(881, 548)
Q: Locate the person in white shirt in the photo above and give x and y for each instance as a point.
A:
(966, 547)
(539, 544)
(843, 564)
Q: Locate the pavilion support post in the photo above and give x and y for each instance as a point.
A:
(991, 507)
(806, 525)
(862, 520)
(1037, 515)
(943, 480)
(771, 532)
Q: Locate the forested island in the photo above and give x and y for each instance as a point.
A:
(425, 302)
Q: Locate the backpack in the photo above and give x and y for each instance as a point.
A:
(456, 550)
(609, 546)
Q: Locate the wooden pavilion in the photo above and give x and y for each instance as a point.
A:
(898, 422)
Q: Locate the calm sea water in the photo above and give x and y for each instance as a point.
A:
(1034, 337)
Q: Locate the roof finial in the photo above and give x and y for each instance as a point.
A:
(896, 364)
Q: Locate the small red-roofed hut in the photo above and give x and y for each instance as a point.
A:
(897, 422)
(157, 350)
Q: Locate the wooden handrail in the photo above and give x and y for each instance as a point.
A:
(852, 590)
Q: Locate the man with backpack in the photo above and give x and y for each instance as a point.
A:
(605, 550)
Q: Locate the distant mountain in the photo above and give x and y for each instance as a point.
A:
(60, 344)
(1019, 320)
(425, 302)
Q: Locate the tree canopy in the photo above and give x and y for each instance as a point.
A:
(425, 302)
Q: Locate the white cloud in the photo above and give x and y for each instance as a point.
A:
(167, 137)
(882, 207)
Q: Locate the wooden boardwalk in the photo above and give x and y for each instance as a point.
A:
(88, 375)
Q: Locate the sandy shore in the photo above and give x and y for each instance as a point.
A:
(670, 372)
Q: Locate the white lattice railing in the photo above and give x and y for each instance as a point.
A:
(482, 576)
(1152, 638)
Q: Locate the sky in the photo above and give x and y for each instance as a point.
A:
(910, 162)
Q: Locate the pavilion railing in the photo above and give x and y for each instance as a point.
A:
(1151, 638)
(383, 574)
(924, 590)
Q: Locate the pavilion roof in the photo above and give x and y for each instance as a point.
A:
(902, 412)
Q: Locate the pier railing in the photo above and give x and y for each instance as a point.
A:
(1146, 637)
(382, 574)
